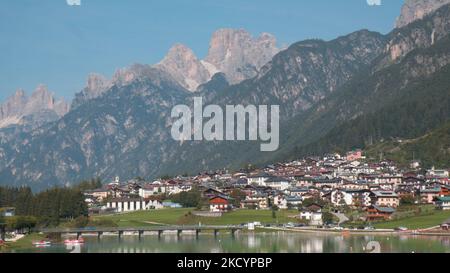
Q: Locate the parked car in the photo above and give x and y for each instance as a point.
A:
(369, 228)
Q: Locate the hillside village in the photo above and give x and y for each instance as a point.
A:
(335, 183)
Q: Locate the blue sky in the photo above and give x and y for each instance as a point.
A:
(50, 42)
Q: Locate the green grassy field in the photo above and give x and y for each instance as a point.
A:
(183, 217)
(418, 222)
(25, 242)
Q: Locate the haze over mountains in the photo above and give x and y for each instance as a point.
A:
(235, 53)
(351, 92)
(35, 110)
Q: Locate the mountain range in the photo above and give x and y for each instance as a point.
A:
(355, 91)
(20, 113)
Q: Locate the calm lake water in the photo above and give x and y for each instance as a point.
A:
(279, 242)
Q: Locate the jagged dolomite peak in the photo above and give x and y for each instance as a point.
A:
(238, 55)
(417, 9)
(17, 107)
(185, 67)
(233, 52)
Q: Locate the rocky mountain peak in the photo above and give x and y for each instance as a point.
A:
(20, 93)
(96, 83)
(182, 63)
(233, 52)
(237, 54)
(19, 107)
(129, 74)
(414, 10)
(41, 97)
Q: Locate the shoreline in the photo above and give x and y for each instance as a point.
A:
(360, 232)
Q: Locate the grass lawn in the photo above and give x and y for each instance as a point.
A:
(418, 222)
(147, 217)
(243, 216)
(182, 217)
(25, 242)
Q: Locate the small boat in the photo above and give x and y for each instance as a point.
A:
(74, 242)
(42, 243)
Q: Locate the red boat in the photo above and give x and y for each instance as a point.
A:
(42, 243)
(74, 242)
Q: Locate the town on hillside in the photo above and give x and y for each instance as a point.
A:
(350, 185)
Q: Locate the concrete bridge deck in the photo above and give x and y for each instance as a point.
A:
(140, 230)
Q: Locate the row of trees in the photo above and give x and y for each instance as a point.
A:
(46, 208)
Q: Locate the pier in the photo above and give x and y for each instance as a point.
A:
(141, 230)
(2, 232)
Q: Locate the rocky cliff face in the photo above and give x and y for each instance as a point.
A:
(39, 108)
(238, 55)
(96, 85)
(416, 36)
(308, 72)
(185, 67)
(234, 53)
(414, 10)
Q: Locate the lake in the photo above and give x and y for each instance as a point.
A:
(277, 242)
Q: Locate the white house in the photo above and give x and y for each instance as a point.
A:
(443, 203)
(136, 204)
(277, 183)
(258, 179)
(438, 173)
(313, 214)
(314, 218)
(148, 190)
(385, 199)
(280, 201)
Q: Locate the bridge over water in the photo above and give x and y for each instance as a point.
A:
(140, 230)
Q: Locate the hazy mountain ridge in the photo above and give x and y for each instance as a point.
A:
(328, 92)
(366, 109)
(33, 111)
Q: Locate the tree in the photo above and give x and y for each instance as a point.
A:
(237, 195)
(274, 211)
(315, 200)
(407, 200)
(189, 199)
(327, 217)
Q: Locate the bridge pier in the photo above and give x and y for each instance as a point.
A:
(233, 232)
(140, 231)
(3, 232)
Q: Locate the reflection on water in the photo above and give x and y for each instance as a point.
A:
(258, 243)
